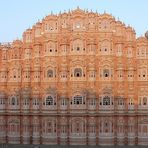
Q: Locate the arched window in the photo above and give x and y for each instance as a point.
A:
(78, 100)
(106, 72)
(49, 100)
(14, 101)
(50, 73)
(105, 46)
(144, 101)
(106, 100)
(78, 72)
(78, 45)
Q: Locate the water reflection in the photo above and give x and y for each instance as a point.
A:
(74, 130)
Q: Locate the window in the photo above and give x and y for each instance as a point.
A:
(78, 72)
(144, 101)
(63, 129)
(35, 101)
(92, 101)
(78, 100)
(78, 48)
(50, 73)
(78, 25)
(105, 24)
(120, 101)
(92, 129)
(2, 101)
(142, 73)
(92, 74)
(119, 49)
(27, 74)
(131, 101)
(49, 127)
(63, 101)
(106, 100)
(105, 47)
(4, 57)
(14, 101)
(49, 101)
(106, 72)
(78, 45)
(129, 52)
(63, 75)
(26, 101)
(141, 52)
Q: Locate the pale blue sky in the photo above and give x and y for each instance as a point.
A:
(18, 15)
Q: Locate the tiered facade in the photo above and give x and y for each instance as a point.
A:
(76, 78)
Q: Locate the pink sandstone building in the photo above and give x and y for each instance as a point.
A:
(77, 78)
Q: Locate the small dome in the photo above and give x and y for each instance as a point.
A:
(146, 34)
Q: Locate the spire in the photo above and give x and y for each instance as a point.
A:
(78, 7)
(69, 11)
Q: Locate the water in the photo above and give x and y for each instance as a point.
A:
(63, 146)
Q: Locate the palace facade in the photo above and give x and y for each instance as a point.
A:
(77, 78)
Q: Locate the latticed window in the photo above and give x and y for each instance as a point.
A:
(49, 101)
(106, 100)
(78, 100)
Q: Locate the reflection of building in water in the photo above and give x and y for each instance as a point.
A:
(76, 78)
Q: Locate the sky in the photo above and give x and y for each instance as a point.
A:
(18, 15)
